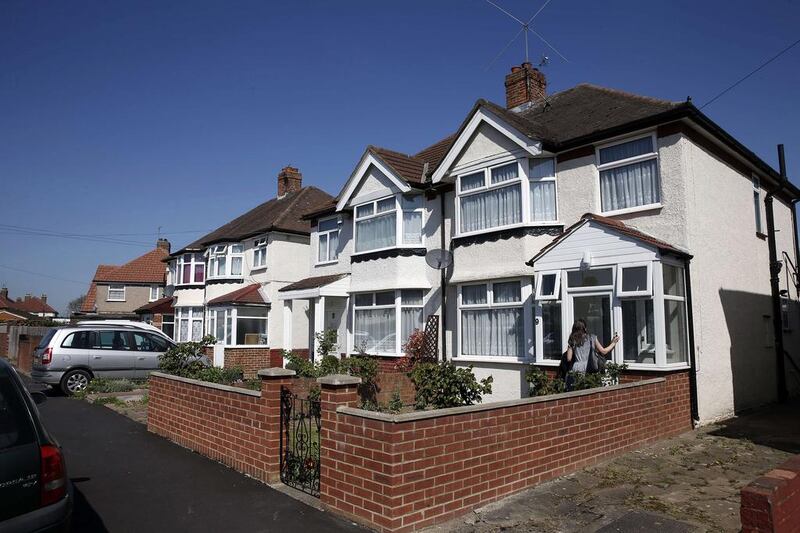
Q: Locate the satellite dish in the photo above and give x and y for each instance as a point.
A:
(439, 259)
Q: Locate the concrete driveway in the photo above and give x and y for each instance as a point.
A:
(129, 480)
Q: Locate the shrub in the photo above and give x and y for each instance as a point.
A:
(185, 359)
(329, 364)
(542, 385)
(445, 385)
(414, 350)
(327, 343)
(214, 374)
(366, 368)
(302, 366)
(395, 402)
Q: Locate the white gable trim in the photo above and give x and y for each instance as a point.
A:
(483, 115)
(358, 174)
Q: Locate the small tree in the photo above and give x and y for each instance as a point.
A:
(185, 359)
(75, 305)
(414, 350)
(445, 385)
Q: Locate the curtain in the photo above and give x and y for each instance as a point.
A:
(410, 319)
(187, 273)
(378, 232)
(220, 327)
(199, 271)
(543, 200)
(183, 330)
(497, 207)
(375, 330)
(412, 227)
(506, 292)
(505, 173)
(473, 181)
(629, 185)
(236, 266)
(473, 294)
(197, 329)
(323, 248)
(492, 332)
(542, 168)
(333, 245)
(626, 150)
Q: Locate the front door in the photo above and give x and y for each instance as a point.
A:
(595, 309)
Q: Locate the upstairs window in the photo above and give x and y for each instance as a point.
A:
(629, 175)
(260, 253)
(328, 240)
(191, 269)
(757, 203)
(156, 292)
(491, 198)
(116, 293)
(225, 261)
(543, 189)
(390, 222)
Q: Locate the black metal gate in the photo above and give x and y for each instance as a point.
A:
(300, 442)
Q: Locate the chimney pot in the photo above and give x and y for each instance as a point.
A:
(4, 292)
(524, 85)
(289, 180)
(44, 298)
(163, 244)
(28, 297)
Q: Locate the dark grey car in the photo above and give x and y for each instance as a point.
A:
(35, 492)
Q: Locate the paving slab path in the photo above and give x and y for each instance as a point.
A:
(687, 483)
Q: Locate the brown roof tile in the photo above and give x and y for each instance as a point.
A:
(147, 268)
(162, 305)
(34, 305)
(246, 295)
(407, 167)
(312, 283)
(89, 303)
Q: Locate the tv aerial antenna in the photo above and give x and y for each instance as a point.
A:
(525, 27)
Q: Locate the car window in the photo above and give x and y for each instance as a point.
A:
(46, 339)
(159, 344)
(79, 339)
(143, 342)
(15, 424)
(113, 340)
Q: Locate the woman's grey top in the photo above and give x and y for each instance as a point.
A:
(581, 353)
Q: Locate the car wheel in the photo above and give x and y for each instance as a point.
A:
(75, 381)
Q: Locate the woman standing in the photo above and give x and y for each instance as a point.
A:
(580, 346)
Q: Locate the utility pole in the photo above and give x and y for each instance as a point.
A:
(774, 280)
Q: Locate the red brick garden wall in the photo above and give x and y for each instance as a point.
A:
(4, 345)
(250, 360)
(410, 471)
(236, 427)
(771, 503)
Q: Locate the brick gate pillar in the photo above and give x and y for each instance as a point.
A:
(336, 390)
(272, 379)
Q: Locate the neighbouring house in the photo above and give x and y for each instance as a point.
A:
(640, 215)
(225, 283)
(159, 313)
(9, 309)
(118, 291)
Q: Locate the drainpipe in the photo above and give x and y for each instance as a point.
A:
(774, 280)
(692, 361)
(796, 248)
(443, 283)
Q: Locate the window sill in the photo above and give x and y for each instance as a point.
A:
(492, 359)
(212, 281)
(762, 236)
(326, 263)
(258, 268)
(198, 285)
(631, 210)
(116, 301)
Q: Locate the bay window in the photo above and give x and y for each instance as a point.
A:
(225, 261)
(260, 253)
(168, 325)
(629, 174)
(387, 223)
(328, 240)
(490, 198)
(190, 324)
(116, 293)
(543, 202)
(375, 319)
(551, 330)
(491, 316)
(191, 269)
(239, 326)
(638, 331)
(675, 320)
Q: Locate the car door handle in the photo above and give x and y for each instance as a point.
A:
(97, 356)
(140, 358)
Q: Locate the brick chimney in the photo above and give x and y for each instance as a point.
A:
(4, 292)
(28, 297)
(163, 244)
(524, 85)
(44, 298)
(289, 180)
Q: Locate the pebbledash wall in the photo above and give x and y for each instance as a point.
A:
(410, 471)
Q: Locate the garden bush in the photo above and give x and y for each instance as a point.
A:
(188, 360)
(442, 385)
(542, 385)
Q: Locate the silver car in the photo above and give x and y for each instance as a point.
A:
(70, 357)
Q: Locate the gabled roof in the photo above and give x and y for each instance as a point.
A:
(162, 306)
(89, 303)
(33, 305)
(22, 315)
(249, 295)
(312, 283)
(147, 268)
(277, 214)
(617, 226)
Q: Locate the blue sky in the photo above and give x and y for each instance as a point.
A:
(120, 117)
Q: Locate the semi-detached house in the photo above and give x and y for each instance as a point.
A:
(225, 283)
(640, 215)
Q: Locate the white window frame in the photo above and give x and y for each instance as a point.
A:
(159, 293)
(522, 177)
(233, 313)
(624, 162)
(224, 251)
(398, 220)
(635, 294)
(557, 289)
(115, 287)
(260, 253)
(191, 316)
(398, 306)
(757, 204)
(661, 298)
(595, 288)
(327, 234)
(528, 331)
(194, 260)
(543, 179)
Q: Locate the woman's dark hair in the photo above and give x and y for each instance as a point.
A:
(579, 333)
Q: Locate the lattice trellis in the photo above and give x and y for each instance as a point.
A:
(430, 345)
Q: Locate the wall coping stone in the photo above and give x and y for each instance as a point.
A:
(218, 386)
(338, 380)
(436, 413)
(276, 372)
